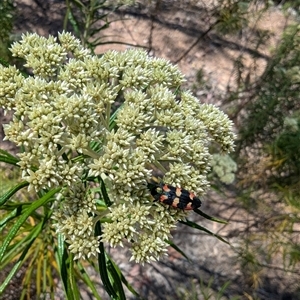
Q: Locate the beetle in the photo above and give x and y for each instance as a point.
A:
(175, 196)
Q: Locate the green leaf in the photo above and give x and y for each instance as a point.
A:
(115, 278)
(35, 205)
(199, 227)
(104, 193)
(14, 213)
(222, 290)
(7, 154)
(3, 62)
(69, 16)
(8, 158)
(201, 213)
(177, 249)
(73, 291)
(12, 191)
(78, 4)
(60, 250)
(67, 272)
(127, 284)
(112, 119)
(13, 250)
(62, 259)
(86, 278)
(15, 268)
(103, 267)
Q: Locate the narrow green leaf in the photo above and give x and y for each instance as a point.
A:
(117, 283)
(199, 227)
(18, 263)
(112, 119)
(60, 249)
(117, 43)
(201, 213)
(27, 283)
(92, 32)
(177, 249)
(14, 213)
(36, 204)
(104, 193)
(12, 191)
(86, 278)
(8, 158)
(7, 154)
(62, 258)
(11, 274)
(127, 284)
(103, 267)
(222, 290)
(38, 274)
(74, 23)
(73, 291)
(13, 250)
(78, 4)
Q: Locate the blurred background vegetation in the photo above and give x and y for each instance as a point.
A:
(261, 96)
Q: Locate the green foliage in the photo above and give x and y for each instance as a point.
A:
(285, 149)
(7, 11)
(232, 16)
(269, 153)
(288, 4)
(203, 290)
(293, 254)
(6, 17)
(88, 19)
(276, 94)
(265, 106)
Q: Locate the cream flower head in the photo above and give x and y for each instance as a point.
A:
(92, 125)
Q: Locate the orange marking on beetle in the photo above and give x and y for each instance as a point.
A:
(178, 192)
(176, 201)
(166, 188)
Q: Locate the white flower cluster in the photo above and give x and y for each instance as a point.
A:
(225, 167)
(291, 124)
(120, 116)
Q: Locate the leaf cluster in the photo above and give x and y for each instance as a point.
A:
(7, 11)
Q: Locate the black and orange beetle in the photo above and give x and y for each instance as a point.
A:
(175, 196)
